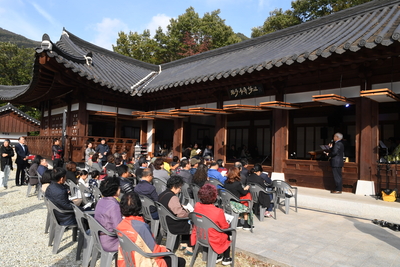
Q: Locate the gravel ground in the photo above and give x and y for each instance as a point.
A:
(24, 243)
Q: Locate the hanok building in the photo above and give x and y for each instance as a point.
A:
(285, 93)
(15, 123)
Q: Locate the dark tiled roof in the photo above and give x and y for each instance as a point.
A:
(368, 25)
(8, 92)
(107, 68)
(19, 113)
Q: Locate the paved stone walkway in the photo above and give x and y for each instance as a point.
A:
(312, 238)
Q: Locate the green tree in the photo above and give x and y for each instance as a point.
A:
(136, 45)
(302, 11)
(16, 66)
(276, 21)
(209, 31)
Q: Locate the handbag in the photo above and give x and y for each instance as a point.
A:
(389, 195)
(247, 196)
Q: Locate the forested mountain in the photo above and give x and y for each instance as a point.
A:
(21, 41)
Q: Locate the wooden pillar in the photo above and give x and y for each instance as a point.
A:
(220, 137)
(178, 138)
(367, 112)
(143, 133)
(280, 138)
(69, 119)
(49, 117)
(82, 118)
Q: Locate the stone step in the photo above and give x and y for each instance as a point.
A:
(367, 207)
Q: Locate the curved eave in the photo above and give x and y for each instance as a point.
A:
(374, 24)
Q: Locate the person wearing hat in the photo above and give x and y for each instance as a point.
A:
(6, 153)
(194, 163)
(102, 149)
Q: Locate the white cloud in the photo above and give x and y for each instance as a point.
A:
(160, 20)
(14, 19)
(46, 15)
(107, 32)
(261, 4)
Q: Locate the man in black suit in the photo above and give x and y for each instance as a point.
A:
(336, 154)
(22, 161)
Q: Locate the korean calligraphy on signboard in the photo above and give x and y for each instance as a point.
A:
(246, 91)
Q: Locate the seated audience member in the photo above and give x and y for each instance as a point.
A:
(208, 153)
(134, 227)
(184, 172)
(124, 158)
(255, 178)
(214, 173)
(195, 152)
(142, 164)
(34, 166)
(43, 166)
(95, 164)
(164, 150)
(125, 183)
(200, 177)
(118, 162)
(245, 164)
(221, 167)
(243, 178)
(94, 179)
(145, 188)
(159, 171)
(174, 164)
(83, 178)
(57, 193)
(167, 167)
(170, 200)
(110, 166)
(186, 152)
(108, 213)
(219, 241)
(194, 163)
(234, 185)
(46, 179)
(71, 172)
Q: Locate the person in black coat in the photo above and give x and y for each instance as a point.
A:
(255, 178)
(57, 193)
(22, 152)
(103, 149)
(6, 153)
(170, 200)
(58, 153)
(336, 154)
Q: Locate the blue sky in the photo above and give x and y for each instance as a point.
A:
(100, 21)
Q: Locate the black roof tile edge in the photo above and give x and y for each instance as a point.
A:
(313, 56)
(297, 29)
(11, 107)
(97, 49)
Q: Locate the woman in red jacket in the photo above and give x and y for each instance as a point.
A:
(219, 241)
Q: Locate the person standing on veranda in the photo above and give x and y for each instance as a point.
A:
(22, 152)
(58, 153)
(336, 154)
(6, 154)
